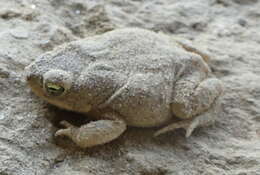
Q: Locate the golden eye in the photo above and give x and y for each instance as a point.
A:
(54, 89)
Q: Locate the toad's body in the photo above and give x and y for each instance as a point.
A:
(126, 77)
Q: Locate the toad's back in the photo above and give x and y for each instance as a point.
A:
(133, 50)
(147, 63)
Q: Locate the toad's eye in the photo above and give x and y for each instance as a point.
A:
(54, 89)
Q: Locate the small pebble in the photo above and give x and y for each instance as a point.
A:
(77, 12)
(20, 33)
(4, 73)
(2, 116)
(33, 6)
(242, 22)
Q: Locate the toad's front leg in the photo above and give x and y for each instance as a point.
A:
(94, 133)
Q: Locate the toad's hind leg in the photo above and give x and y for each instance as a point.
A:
(205, 119)
(199, 108)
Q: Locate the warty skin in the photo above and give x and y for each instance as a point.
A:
(127, 77)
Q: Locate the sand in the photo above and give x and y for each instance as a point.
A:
(229, 30)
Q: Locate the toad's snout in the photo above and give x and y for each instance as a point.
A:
(32, 75)
(27, 73)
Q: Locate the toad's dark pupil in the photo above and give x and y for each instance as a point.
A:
(53, 89)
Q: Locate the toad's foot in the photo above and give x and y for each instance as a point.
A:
(67, 131)
(205, 119)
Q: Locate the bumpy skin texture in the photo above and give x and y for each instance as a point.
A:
(131, 77)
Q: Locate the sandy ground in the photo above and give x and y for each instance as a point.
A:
(228, 29)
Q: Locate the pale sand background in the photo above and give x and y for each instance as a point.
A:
(228, 29)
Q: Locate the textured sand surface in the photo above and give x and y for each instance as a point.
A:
(229, 30)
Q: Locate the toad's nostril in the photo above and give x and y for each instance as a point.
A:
(27, 74)
(28, 77)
